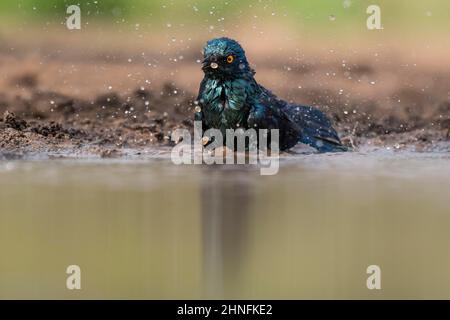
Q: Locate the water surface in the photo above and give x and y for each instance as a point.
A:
(145, 228)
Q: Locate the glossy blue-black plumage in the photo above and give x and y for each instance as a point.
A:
(230, 98)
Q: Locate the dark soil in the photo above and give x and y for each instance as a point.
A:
(38, 117)
(49, 121)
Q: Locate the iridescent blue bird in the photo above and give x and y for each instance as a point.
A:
(230, 98)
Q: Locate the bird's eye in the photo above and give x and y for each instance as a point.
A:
(230, 59)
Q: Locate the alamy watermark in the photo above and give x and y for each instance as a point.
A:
(373, 22)
(374, 280)
(73, 22)
(249, 146)
(73, 281)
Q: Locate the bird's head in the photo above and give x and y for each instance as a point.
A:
(225, 58)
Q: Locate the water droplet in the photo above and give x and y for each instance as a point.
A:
(205, 140)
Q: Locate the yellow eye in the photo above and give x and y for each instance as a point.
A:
(230, 59)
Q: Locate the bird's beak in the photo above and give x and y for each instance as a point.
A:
(210, 62)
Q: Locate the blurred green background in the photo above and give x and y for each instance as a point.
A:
(345, 15)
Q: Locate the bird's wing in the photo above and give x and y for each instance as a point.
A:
(312, 126)
(266, 114)
(313, 122)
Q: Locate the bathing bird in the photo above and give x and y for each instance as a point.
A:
(230, 98)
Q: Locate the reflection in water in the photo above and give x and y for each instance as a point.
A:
(149, 229)
(225, 218)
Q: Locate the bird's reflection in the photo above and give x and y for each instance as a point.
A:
(226, 197)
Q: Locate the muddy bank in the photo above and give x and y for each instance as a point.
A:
(52, 108)
(52, 122)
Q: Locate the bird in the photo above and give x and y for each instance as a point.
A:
(230, 98)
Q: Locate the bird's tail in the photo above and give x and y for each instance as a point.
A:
(322, 145)
(315, 128)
